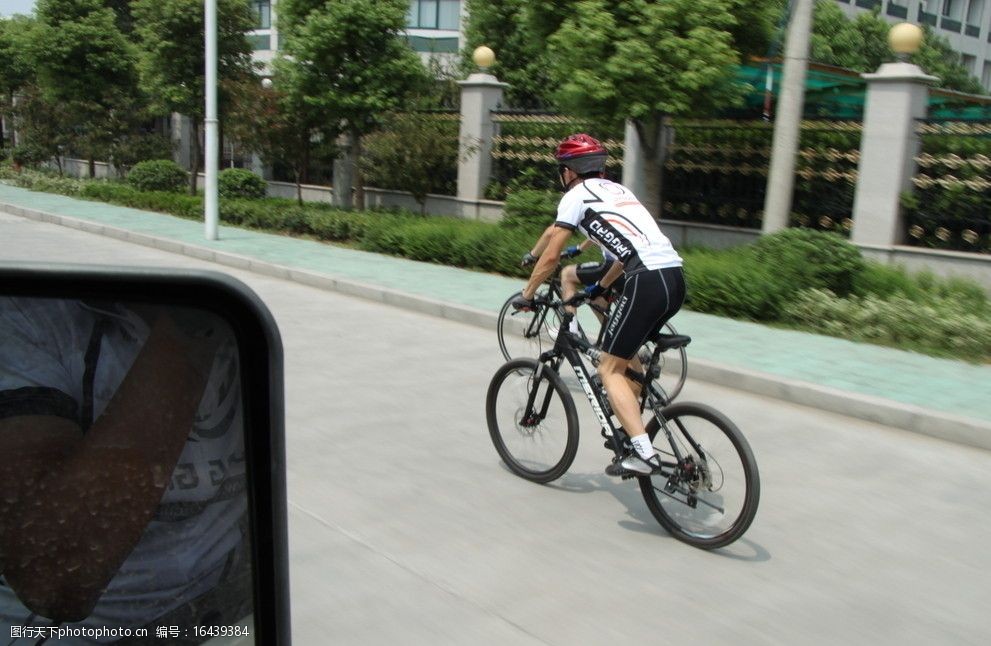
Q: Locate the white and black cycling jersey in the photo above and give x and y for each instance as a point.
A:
(610, 215)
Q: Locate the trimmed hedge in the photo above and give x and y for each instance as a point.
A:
(158, 175)
(240, 182)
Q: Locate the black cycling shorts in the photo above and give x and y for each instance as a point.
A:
(649, 299)
(592, 272)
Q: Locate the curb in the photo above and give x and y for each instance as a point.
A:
(953, 428)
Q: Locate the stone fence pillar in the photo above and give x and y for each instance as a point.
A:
(480, 94)
(897, 96)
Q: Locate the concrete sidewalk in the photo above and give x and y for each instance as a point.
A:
(937, 397)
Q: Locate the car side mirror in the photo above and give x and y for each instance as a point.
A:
(142, 459)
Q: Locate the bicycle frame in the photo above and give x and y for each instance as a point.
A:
(569, 347)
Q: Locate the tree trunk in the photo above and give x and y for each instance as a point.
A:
(195, 161)
(299, 186)
(91, 163)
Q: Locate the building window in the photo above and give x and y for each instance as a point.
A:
(969, 63)
(952, 9)
(986, 75)
(433, 14)
(262, 10)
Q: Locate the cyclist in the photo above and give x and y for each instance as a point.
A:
(610, 215)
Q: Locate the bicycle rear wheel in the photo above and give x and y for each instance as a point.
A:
(526, 334)
(532, 420)
(710, 498)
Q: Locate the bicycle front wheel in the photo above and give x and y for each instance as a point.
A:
(526, 334)
(709, 498)
(532, 420)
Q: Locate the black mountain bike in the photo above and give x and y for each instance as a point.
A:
(707, 489)
(529, 333)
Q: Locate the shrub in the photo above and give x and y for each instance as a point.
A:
(28, 154)
(158, 175)
(733, 283)
(944, 327)
(530, 209)
(240, 183)
(811, 259)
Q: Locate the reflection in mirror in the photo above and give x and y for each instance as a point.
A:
(123, 498)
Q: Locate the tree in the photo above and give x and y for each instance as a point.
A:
(279, 126)
(350, 63)
(410, 152)
(170, 36)
(640, 61)
(84, 63)
(517, 31)
(16, 68)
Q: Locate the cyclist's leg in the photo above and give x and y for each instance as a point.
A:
(649, 299)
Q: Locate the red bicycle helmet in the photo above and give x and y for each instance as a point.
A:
(582, 154)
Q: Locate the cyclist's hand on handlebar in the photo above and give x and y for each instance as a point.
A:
(528, 259)
(571, 252)
(521, 302)
(594, 291)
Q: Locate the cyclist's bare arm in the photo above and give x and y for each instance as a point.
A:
(615, 271)
(76, 504)
(553, 240)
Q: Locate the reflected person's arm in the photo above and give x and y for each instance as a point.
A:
(76, 505)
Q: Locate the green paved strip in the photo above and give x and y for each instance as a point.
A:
(938, 384)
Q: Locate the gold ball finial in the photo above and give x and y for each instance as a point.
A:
(905, 38)
(484, 57)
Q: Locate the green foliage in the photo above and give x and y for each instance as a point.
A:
(133, 147)
(630, 59)
(530, 209)
(413, 152)
(351, 59)
(240, 182)
(170, 53)
(733, 283)
(516, 30)
(157, 175)
(349, 63)
(29, 154)
(811, 259)
(942, 326)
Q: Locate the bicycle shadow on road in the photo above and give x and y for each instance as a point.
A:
(628, 494)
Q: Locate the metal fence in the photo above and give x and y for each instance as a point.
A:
(716, 173)
(522, 151)
(950, 206)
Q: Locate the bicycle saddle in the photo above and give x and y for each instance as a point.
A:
(670, 341)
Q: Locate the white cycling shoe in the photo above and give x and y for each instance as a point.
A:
(634, 465)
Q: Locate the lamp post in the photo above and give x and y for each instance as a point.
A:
(211, 203)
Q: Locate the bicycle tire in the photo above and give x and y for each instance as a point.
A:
(519, 334)
(702, 525)
(540, 452)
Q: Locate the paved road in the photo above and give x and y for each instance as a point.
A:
(405, 528)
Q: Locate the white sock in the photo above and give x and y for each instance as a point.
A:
(643, 446)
